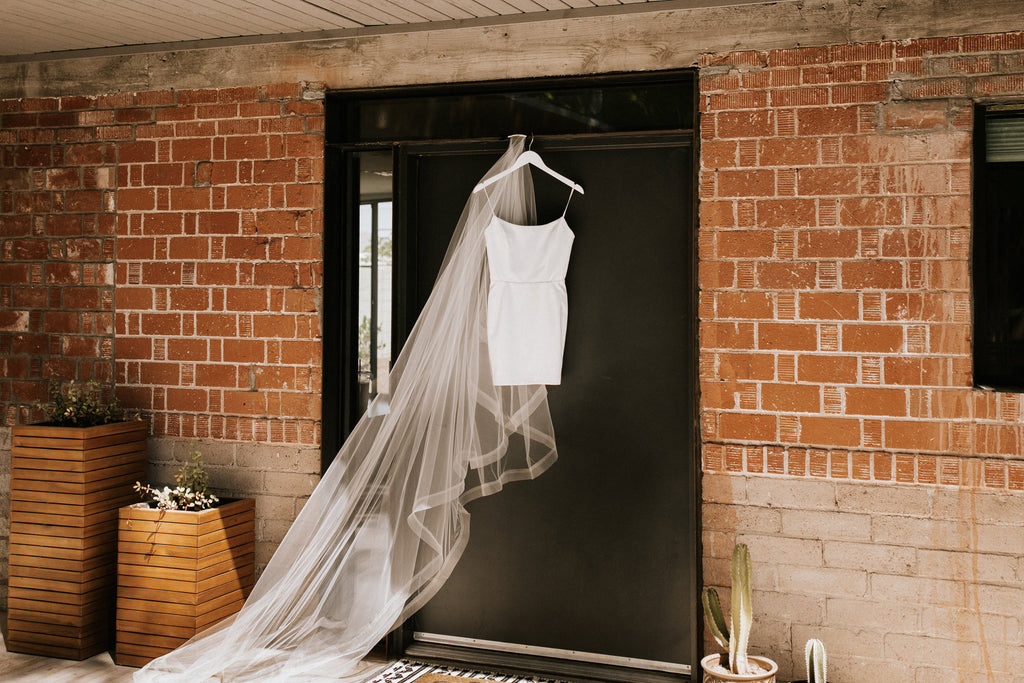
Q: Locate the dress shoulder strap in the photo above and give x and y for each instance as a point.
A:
(571, 192)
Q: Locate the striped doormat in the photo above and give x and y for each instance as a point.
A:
(408, 672)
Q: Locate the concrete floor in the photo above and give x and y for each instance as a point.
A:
(98, 669)
(32, 669)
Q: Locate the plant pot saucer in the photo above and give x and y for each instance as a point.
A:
(714, 676)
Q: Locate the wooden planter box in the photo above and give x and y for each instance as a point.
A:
(67, 484)
(178, 573)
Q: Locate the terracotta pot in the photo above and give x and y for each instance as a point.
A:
(770, 667)
(178, 573)
(67, 484)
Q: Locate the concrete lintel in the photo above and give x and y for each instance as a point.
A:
(652, 40)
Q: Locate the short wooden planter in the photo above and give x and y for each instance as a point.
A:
(178, 573)
(66, 487)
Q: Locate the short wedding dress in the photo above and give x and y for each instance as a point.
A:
(527, 306)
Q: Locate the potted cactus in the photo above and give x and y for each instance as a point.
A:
(736, 665)
(814, 656)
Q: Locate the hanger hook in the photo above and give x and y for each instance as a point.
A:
(529, 144)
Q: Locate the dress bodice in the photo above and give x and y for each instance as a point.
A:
(527, 305)
(528, 253)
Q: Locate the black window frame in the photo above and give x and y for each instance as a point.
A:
(997, 361)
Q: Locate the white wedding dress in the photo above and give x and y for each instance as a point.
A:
(527, 306)
(385, 526)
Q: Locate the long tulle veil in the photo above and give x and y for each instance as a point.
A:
(387, 523)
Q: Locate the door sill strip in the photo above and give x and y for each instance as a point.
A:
(552, 653)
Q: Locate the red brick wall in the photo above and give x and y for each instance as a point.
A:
(843, 441)
(834, 235)
(58, 190)
(169, 242)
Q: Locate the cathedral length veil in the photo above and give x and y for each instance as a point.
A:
(386, 525)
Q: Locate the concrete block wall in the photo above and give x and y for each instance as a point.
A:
(902, 582)
(881, 493)
(168, 245)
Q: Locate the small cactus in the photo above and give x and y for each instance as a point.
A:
(814, 653)
(737, 637)
(715, 618)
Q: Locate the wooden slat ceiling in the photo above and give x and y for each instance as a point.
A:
(33, 27)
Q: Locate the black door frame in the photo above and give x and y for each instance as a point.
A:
(340, 331)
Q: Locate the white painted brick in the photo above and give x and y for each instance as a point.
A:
(922, 533)
(822, 581)
(275, 507)
(264, 551)
(1005, 600)
(718, 544)
(914, 590)
(928, 651)
(160, 449)
(214, 452)
(803, 609)
(882, 617)
(290, 483)
(887, 499)
(955, 623)
(1006, 658)
(852, 669)
(234, 482)
(826, 525)
(800, 494)
(730, 517)
(723, 488)
(768, 636)
(841, 642)
(933, 675)
(983, 506)
(718, 572)
(272, 530)
(277, 458)
(888, 559)
(971, 567)
(1000, 539)
(779, 550)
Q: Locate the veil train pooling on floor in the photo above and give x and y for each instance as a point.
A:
(387, 523)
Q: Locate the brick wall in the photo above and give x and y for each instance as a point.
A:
(169, 244)
(881, 494)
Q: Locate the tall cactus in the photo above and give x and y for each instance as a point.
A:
(814, 653)
(735, 637)
(742, 611)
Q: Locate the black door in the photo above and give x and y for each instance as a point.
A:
(594, 562)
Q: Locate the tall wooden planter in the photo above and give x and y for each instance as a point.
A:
(67, 484)
(178, 573)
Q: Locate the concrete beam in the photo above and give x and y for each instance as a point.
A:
(662, 36)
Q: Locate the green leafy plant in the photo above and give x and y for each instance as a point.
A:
(81, 405)
(192, 491)
(734, 638)
(814, 654)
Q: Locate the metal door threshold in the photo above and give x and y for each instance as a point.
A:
(584, 667)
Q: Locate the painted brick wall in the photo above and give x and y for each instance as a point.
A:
(881, 494)
(169, 244)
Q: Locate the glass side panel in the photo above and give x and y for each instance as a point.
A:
(375, 242)
(613, 108)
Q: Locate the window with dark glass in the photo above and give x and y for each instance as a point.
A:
(997, 253)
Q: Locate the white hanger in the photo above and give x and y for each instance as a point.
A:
(528, 157)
